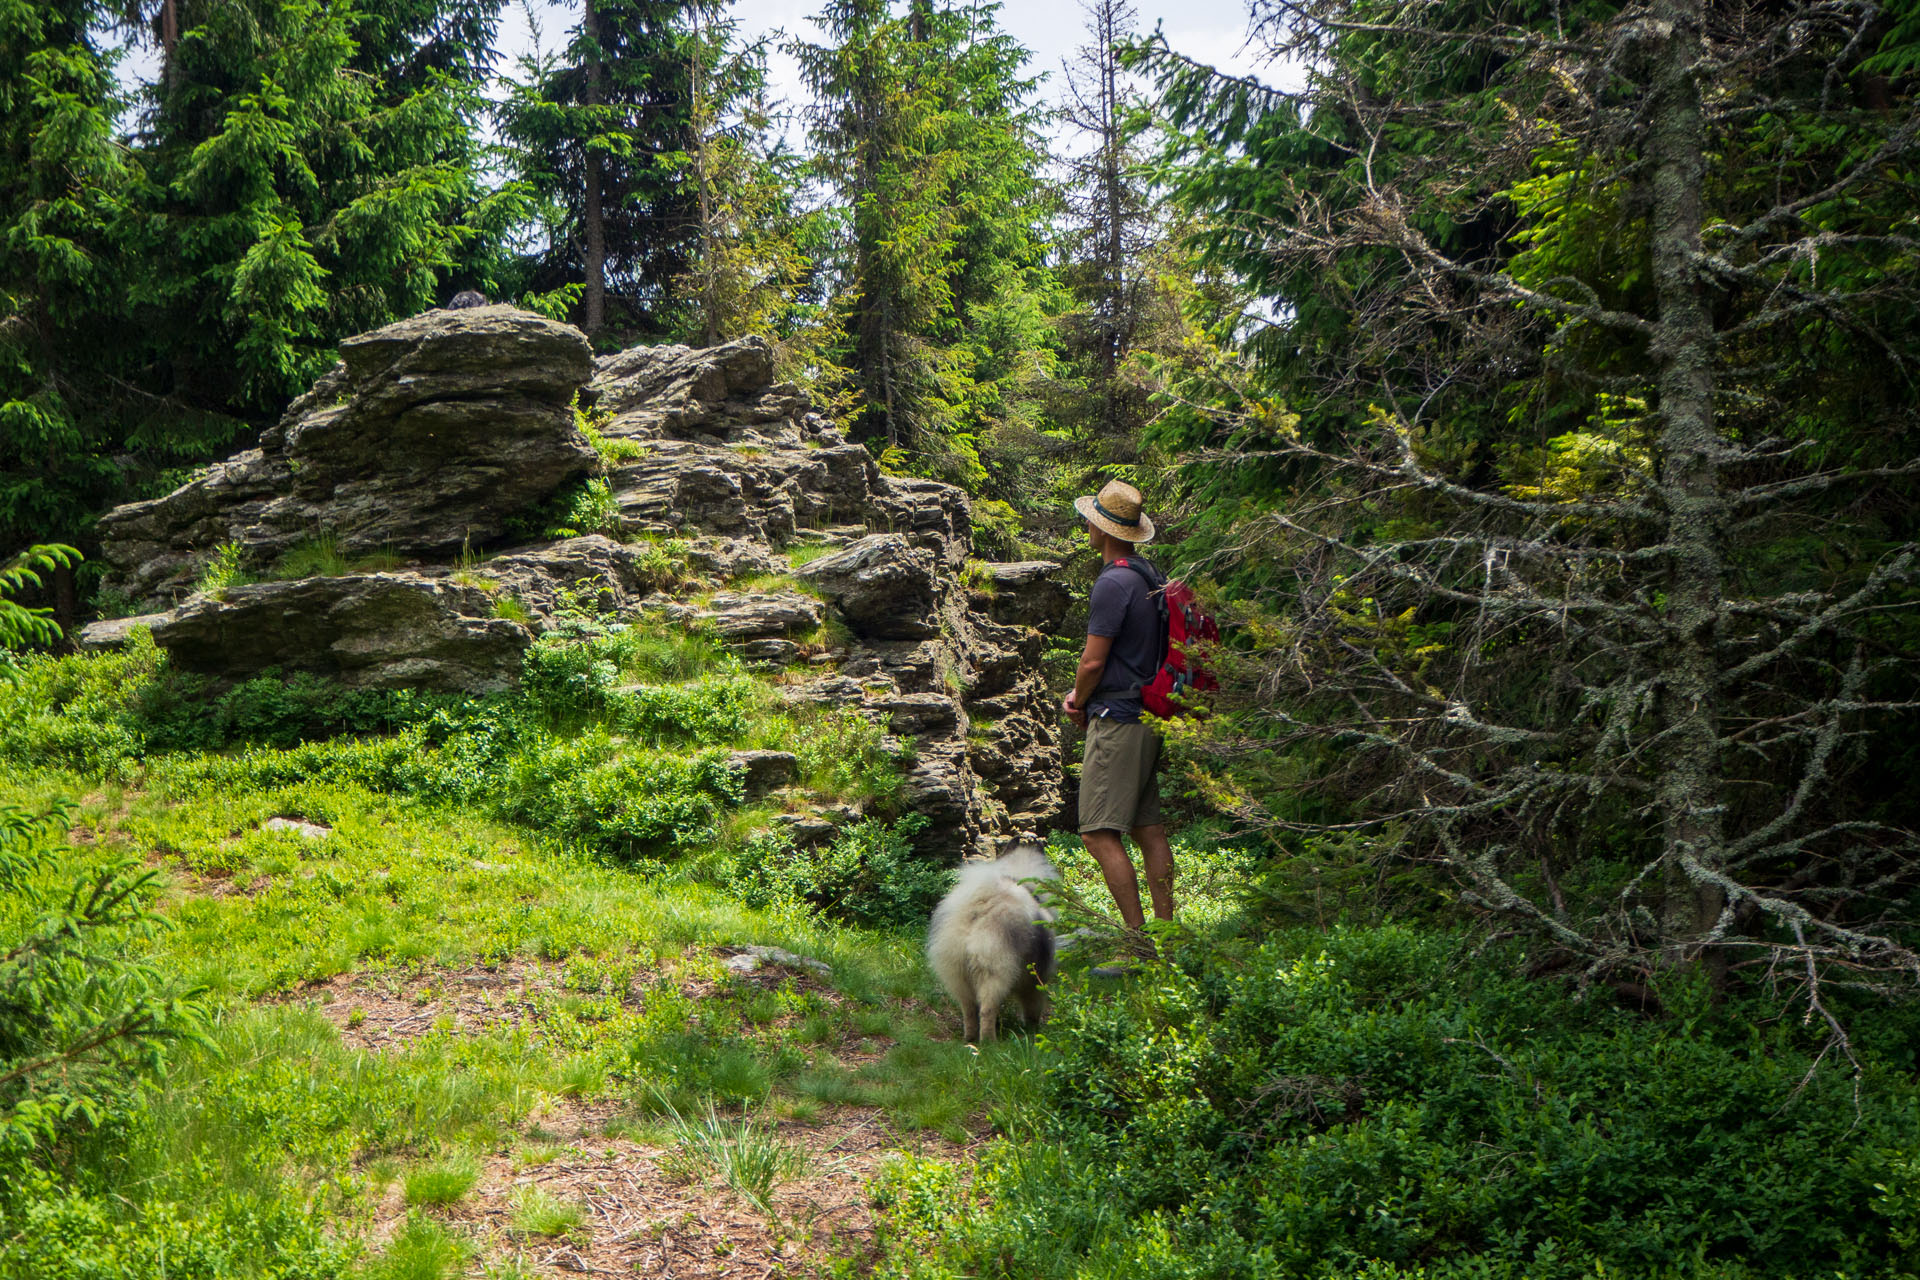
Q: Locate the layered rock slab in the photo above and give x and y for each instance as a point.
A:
(383, 630)
(430, 435)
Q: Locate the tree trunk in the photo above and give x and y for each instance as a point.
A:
(66, 603)
(593, 227)
(1690, 792)
(1114, 197)
(709, 268)
(169, 37)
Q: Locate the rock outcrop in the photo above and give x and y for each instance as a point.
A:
(435, 438)
(430, 434)
(381, 630)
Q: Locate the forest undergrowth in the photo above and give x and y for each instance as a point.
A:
(479, 964)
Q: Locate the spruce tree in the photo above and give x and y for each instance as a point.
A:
(314, 180)
(65, 193)
(924, 126)
(606, 135)
(1591, 550)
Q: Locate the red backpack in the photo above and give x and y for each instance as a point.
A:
(1187, 633)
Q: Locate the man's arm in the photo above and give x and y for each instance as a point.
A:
(1093, 661)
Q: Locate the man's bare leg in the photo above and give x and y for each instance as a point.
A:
(1108, 850)
(1158, 855)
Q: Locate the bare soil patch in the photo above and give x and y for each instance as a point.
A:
(391, 1010)
(638, 1220)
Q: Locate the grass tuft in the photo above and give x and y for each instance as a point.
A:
(443, 1183)
(746, 1154)
(533, 1212)
(424, 1250)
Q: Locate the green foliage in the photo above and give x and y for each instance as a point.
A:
(301, 171)
(926, 127)
(842, 756)
(614, 113)
(1366, 1102)
(869, 875)
(613, 450)
(21, 625)
(591, 508)
(64, 188)
(621, 806)
(84, 1024)
(226, 569)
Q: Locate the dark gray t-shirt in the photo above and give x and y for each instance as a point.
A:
(1122, 606)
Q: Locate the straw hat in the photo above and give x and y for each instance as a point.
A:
(1117, 510)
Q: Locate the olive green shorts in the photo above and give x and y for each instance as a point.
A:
(1119, 776)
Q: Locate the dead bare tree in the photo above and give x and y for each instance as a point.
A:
(1604, 676)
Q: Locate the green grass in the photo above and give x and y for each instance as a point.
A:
(745, 1153)
(423, 1250)
(443, 1183)
(534, 1212)
(463, 836)
(321, 557)
(803, 553)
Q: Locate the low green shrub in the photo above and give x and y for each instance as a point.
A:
(1366, 1102)
(569, 678)
(226, 569)
(622, 806)
(870, 875)
(590, 508)
(105, 713)
(842, 755)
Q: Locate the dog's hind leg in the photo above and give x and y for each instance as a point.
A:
(989, 1021)
(970, 1014)
(1033, 1007)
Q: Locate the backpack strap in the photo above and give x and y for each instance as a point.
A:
(1156, 592)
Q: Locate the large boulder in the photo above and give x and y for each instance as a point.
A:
(1025, 593)
(381, 630)
(885, 587)
(933, 516)
(446, 425)
(431, 434)
(593, 572)
(758, 614)
(726, 391)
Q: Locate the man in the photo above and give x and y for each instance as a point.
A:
(1119, 792)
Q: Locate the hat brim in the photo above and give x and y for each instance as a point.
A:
(1142, 532)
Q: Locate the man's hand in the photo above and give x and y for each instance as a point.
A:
(1093, 661)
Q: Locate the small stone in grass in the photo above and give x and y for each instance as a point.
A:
(299, 826)
(752, 958)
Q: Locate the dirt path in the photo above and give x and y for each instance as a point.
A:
(621, 1181)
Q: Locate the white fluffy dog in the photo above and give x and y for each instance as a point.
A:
(989, 940)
